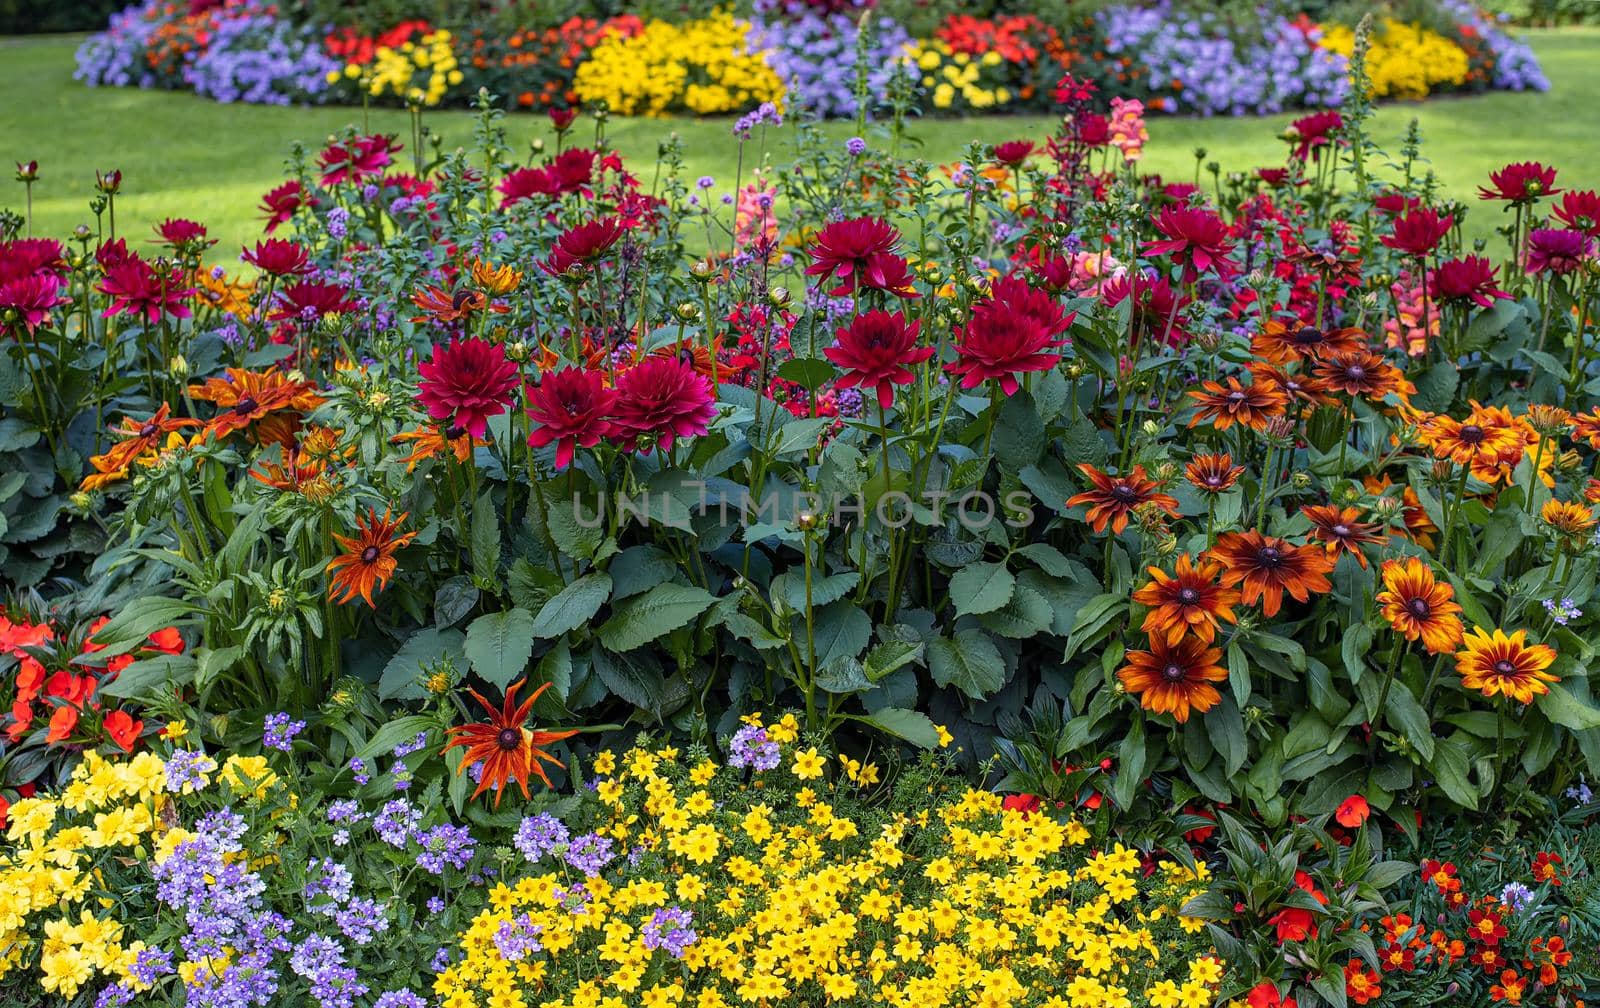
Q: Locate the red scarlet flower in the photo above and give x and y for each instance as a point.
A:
(466, 383)
(280, 204)
(1523, 182)
(1418, 233)
(1580, 211)
(278, 257)
(309, 301)
(183, 234)
(659, 400)
(123, 729)
(859, 252)
(1195, 238)
(876, 351)
(1012, 152)
(1011, 332)
(136, 288)
(31, 298)
(1471, 278)
(1265, 995)
(62, 723)
(569, 408)
(1311, 133)
(359, 158)
(1353, 812)
(584, 244)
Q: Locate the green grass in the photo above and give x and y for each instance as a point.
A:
(184, 156)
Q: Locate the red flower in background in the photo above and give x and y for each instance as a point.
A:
(660, 400)
(584, 244)
(1265, 995)
(1012, 331)
(466, 383)
(25, 257)
(1580, 211)
(1156, 310)
(1195, 238)
(859, 252)
(32, 298)
(1352, 812)
(876, 351)
(1419, 232)
(1471, 278)
(1547, 868)
(138, 289)
(357, 159)
(1309, 134)
(1554, 251)
(278, 257)
(569, 408)
(1013, 152)
(308, 301)
(1523, 182)
(280, 204)
(183, 234)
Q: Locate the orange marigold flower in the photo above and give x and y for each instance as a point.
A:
(1361, 985)
(368, 557)
(497, 281)
(1265, 567)
(1510, 989)
(1418, 606)
(508, 749)
(1547, 868)
(1341, 530)
(1187, 601)
(1114, 498)
(1212, 474)
(1252, 405)
(1498, 665)
(1175, 679)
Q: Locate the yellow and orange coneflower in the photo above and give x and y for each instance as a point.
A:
(1264, 567)
(368, 559)
(1418, 606)
(1187, 601)
(1175, 678)
(1114, 498)
(1495, 664)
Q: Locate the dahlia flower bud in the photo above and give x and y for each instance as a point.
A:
(518, 351)
(686, 311)
(1150, 428)
(81, 500)
(778, 297)
(703, 271)
(178, 367)
(81, 232)
(109, 182)
(27, 171)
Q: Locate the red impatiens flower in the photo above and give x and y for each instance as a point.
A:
(358, 158)
(876, 351)
(1352, 812)
(1556, 251)
(1580, 211)
(1471, 278)
(569, 408)
(31, 298)
(137, 288)
(1012, 152)
(123, 729)
(1522, 182)
(466, 383)
(1311, 133)
(280, 204)
(859, 252)
(1265, 995)
(584, 244)
(1195, 238)
(278, 257)
(659, 400)
(309, 301)
(1419, 232)
(1012, 331)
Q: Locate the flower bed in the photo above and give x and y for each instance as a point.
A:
(1015, 581)
(1172, 58)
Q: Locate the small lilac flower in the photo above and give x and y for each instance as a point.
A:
(186, 769)
(539, 835)
(518, 938)
(1580, 792)
(279, 732)
(345, 811)
(670, 928)
(358, 767)
(435, 905)
(855, 146)
(402, 998)
(1563, 611)
(590, 853)
(1515, 896)
(417, 744)
(338, 222)
(705, 182)
(396, 821)
(445, 845)
(150, 965)
(750, 748)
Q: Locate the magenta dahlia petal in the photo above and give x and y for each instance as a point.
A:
(467, 382)
(659, 400)
(569, 408)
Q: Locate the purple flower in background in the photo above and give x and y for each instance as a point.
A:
(278, 732)
(539, 835)
(396, 822)
(358, 767)
(445, 845)
(1515, 896)
(417, 744)
(670, 928)
(814, 54)
(402, 998)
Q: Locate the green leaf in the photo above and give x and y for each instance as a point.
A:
(573, 606)
(401, 676)
(1409, 716)
(981, 588)
(145, 678)
(891, 655)
(638, 569)
(812, 372)
(1018, 433)
(801, 435)
(499, 645)
(1451, 769)
(905, 724)
(638, 683)
(485, 545)
(451, 603)
(402, 729)
(642, 619)
(791, 587)
(843, 676)
(140, 618)
(1566, 710)
(970, 662)
(1225, 728)
(1026, 614)
(555, 668)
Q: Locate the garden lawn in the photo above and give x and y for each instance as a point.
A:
(181, 155)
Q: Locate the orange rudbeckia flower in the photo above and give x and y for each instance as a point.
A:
(507, 748)
(368, 557)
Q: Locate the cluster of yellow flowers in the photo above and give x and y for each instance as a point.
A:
(1406, 60)
(420, 71)
(50, 872)
(702, 66)
(956, 80)
(792, 885)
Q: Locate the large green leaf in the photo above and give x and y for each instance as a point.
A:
(499, 645)
(912, 726)
(573, 606)
(970, 662)
(981, 588)
(637, 621)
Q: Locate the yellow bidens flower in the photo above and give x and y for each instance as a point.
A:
(704, 66)
(1405, 60)
(421, 71)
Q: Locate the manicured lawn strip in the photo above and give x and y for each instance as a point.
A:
(185, 156)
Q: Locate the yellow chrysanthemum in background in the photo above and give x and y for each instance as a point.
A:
(1406, 60)
(703, 66)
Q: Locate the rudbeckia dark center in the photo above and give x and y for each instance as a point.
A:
(1188, 596)
(148, 430)
(1236, 397)
(1213, 480)
(1419, 608)
(1308, 337)
(1504, 667)
(1356, 371)
(1173, 673)
(369, 554)
(1340, 530)
(246, 405)
(1124, 493)
(1270, 556)
(1472, 433)
(508, 738)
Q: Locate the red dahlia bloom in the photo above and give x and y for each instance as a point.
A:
(181, 233)
(1394, 204)
(467, 382)
(659, 400)
(26, 256)
(562, 118)
(359, 158)
(1467, 279)
(137, 288)
(1580, 211)
(1157, 307)
(526, 183)
(876, 351)
(279, 204)
(573, 170)
(278, 257)
(309, 301)
(569, 407)
(1195, 238)
(859, 252)
(584, 243)
(1553, 251)
(1012, 152)
(31, 297)
(1273, 176)
(1011, 332)
(1311, 133)
(1523, 182)
(112, 253)
(1419, 232)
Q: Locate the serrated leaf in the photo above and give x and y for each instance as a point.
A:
(981, 588)
(498, 645)
(572, 606)
(638, 621)
(970, 662)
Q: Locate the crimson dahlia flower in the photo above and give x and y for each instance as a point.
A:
(466, 383)
(859, 252)
(1011, 332)
(280, 203)
(1195, 238)
(659, 400)
(278, 257)
(139, 289)
(1418, 232)
(569, 408)
(876, 351)
(1467, 279)
(1553, 251)
(1523, 182)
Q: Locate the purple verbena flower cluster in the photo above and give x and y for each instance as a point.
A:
(670, 928)
(751, 749)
